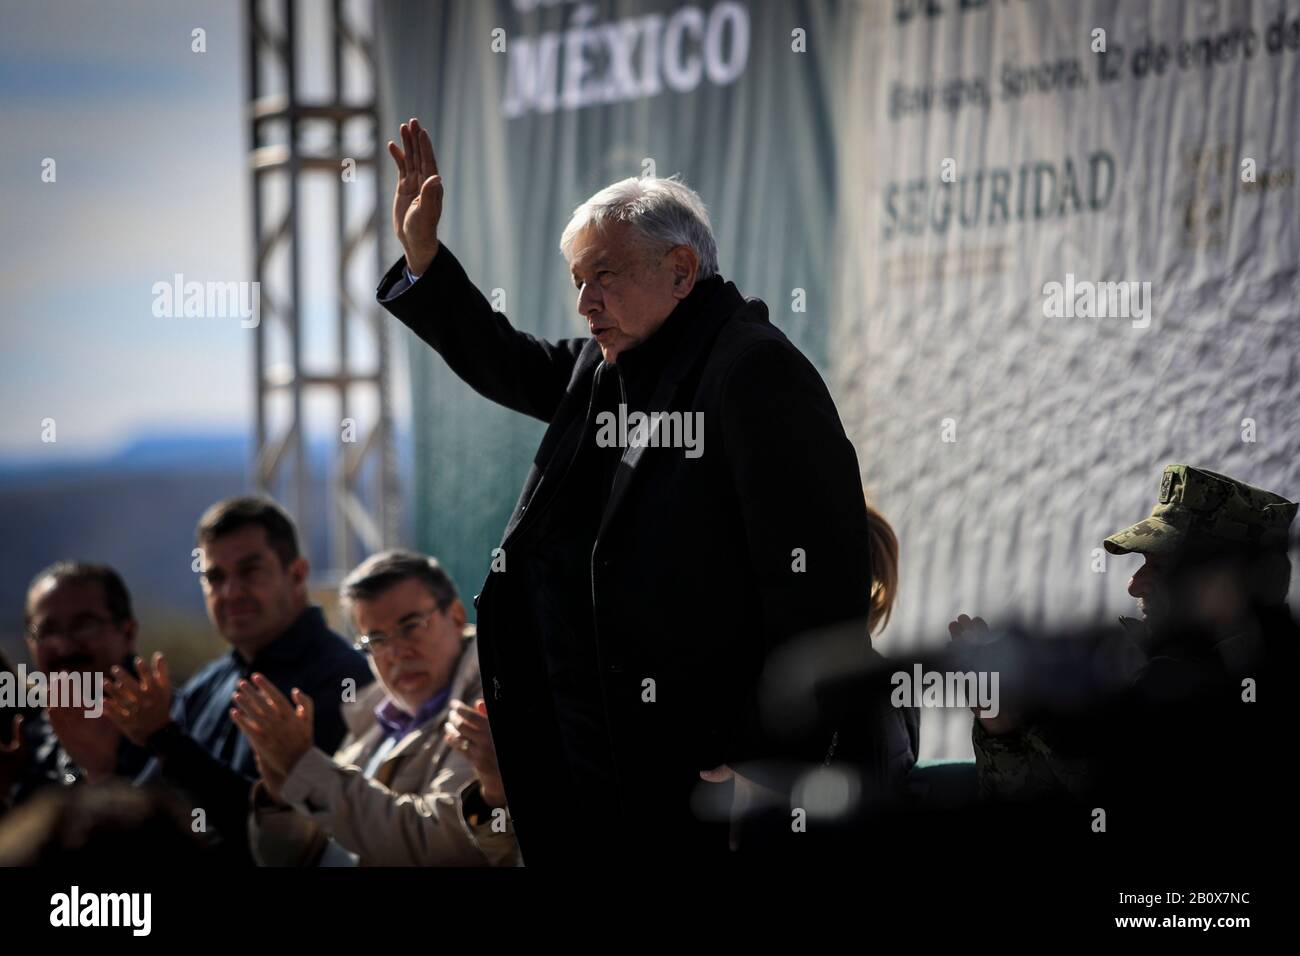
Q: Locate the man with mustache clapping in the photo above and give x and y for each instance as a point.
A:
(416, 780)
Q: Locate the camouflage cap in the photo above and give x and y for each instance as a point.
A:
(1199, 506)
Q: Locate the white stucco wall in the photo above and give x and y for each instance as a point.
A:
(1062, 425)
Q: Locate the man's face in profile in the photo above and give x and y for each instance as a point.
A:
(625, 292)
(71, 629)
(1150, 584)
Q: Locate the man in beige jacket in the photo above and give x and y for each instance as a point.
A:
(415, 783)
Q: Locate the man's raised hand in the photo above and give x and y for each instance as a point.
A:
(468, 731)
(417, 204)
(280, 731)
(966, 629)
(90, 742)
(140, 708)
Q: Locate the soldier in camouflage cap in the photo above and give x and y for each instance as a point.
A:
(1209, 510)
(1201, 519)
(1216, 563)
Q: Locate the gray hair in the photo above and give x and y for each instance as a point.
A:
(379, 572)
(666, 213)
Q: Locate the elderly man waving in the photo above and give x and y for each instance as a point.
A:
(648, 572)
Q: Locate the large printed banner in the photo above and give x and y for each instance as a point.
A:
(1068, 255)
(1039, 248)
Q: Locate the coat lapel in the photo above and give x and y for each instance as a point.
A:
(697, 336)
(550, 464)
(388, 769)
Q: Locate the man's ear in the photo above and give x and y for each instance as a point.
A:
(685, 266)
(298, 571)
(457, 613)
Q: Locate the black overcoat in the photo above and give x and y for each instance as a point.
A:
(701, 567)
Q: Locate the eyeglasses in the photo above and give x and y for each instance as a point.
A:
(377, 642)
(85, 628)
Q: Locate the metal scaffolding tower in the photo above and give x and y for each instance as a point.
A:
(299, 144)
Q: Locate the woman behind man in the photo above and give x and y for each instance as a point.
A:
(872, 744)
(879, 740)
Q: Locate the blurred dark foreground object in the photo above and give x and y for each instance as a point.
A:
(100, 825)
(1164, 746)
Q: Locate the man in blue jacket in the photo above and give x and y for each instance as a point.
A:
(255, 586)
